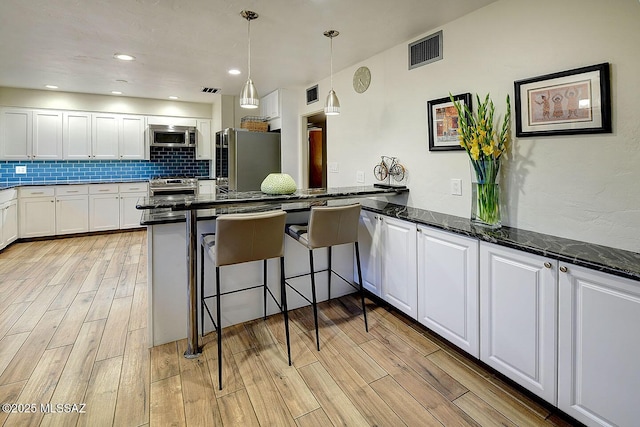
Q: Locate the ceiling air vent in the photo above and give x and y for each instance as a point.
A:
(426, 50)
(312, 94)
(211, 89)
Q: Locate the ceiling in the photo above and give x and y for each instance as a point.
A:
(182, 45)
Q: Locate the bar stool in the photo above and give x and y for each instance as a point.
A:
(328, 226)
(241, 238)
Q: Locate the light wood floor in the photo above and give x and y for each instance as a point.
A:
(73, 319)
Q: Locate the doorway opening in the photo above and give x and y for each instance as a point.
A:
(317, 150)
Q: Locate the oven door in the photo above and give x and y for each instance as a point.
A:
(172, 193)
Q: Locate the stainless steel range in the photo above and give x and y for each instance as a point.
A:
(172, 186)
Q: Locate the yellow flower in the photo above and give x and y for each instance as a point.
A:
(475, 152)
(488, 149)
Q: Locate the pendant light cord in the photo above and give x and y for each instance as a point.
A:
(331, 38)
(249, 46)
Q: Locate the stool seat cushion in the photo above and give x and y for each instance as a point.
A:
(299, 232)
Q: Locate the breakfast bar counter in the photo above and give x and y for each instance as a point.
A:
(168, 272)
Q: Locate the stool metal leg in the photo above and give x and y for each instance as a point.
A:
(283, 303)
(264, 289)
(202, 290)
(219, 327)
(329, 270)
(364, 309)
(313, 296)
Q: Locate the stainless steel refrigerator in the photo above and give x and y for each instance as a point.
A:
(244, 158)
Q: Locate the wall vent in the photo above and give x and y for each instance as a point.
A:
(211, 89)
(426, 50)
(312, 94)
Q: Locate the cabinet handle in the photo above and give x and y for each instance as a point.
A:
(72, 191)
(104, 189)
(563, 269)
(547, 264)
(38, 192)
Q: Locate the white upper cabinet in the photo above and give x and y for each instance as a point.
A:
(270, 105)
(105, 137)
(132, 144)
(47, 135)
(76, 135)
(30, 134)
(204, 148)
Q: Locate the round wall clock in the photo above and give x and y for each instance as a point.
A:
(361, 79)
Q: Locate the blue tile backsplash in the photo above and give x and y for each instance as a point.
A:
(164, 161)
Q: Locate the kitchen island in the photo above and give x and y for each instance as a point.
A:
(176, 223)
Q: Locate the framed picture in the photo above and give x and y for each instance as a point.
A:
(442, 117)
(566, 103)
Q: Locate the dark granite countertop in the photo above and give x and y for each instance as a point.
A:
(5, 186)
(602, 258)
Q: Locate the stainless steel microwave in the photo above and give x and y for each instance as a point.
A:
(172, 136)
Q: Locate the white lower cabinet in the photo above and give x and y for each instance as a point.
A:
(599, 348)
(8, 217)
(518, 317)
(370, 252)
(448, 287)
(37, 211)
(72, 209)
(129, 196)
(104, 207)
(113, 206)
(388, 260)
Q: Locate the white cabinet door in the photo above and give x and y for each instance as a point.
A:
(105, 136)
(370, 252)
(16, 127)
(399, 269)
(132, 142)
(47, 135)
(9, 222)
(72, 214)
(204, 148)
(37, 216)
(448, 301)
(598, 347)
(270, 105)
(104, 212)
(518, 317)
(76, 135)
(129, 215)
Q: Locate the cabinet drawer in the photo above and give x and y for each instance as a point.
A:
(71, 190)
(103, 189)
(36, 192)
(133, 187)
(6, 195)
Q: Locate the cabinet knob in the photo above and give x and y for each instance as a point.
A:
(563, 269)
(547, 264)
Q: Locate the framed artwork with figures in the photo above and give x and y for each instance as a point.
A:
(566, 103)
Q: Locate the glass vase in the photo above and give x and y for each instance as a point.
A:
(485, 199)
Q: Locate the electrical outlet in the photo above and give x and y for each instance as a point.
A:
(456, 186)
(360, 177)
(21, 169)
(333, 167)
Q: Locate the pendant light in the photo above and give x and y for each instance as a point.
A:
(249, 95)
(332, 105)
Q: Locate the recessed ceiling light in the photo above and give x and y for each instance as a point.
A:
(51, 87)
(124, 57)
(173, 97)
(116, 92)
(234, 71)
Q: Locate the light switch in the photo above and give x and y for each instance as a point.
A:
(456, 186)
(360, 177)
(21, 169)
(333, 167)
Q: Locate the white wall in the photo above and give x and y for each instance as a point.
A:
(580, 187)
(30, 98)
